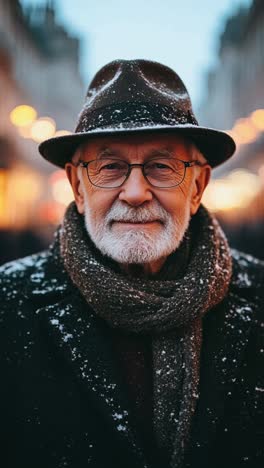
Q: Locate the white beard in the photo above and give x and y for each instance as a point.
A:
(136, 246)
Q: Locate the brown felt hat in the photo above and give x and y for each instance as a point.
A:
(138, 96)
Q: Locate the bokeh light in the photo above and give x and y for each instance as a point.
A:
(23, 115)
(247, 129)
(244, 131)
(257, 118)
(26, 185)
(236, 190)
(61, 189)
(42, 129)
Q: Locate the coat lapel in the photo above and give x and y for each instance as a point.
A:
(84, 341)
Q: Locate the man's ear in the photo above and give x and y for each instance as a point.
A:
(200, 183)
(72, 174)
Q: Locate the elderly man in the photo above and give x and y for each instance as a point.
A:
(134, 340)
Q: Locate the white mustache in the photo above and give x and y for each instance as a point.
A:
(142, 214)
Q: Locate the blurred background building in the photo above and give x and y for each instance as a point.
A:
(235, 102)
(41, 93)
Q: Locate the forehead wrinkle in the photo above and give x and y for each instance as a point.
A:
(108, 151)
(100, 152)
(171, 152)
(122, 153)
(159, 152)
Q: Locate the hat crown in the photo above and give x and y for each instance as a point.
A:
(141, 83)
(137, 79)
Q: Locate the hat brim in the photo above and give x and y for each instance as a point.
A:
(216, 146)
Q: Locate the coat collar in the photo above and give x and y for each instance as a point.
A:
(84, 340)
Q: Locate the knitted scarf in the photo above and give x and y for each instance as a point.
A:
(170, 310)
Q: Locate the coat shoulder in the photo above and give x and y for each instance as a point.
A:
(245, 298)
(28, 288)
(14, 274)
(31, 282)
(17, 306)
(248, 273)
(243, 305)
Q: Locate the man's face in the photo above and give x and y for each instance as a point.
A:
(138, 223)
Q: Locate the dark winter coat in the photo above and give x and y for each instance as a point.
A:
(59, 377)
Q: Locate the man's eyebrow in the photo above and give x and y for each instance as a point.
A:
(104, 152)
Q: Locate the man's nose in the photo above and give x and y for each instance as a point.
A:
(136, 190)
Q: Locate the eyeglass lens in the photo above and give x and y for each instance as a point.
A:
(111, 173)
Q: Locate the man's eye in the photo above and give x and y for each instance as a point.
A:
(162, 166)
(112, 167)
(158, 166)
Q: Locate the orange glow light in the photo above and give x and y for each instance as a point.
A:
(257, 118)
(61, 189)
(26, 185)
(3, 201)
(51, 212)
(236, 190)
(244, 132)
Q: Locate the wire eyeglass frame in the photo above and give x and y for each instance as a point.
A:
(187, 164)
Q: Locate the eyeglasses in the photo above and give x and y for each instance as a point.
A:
(161, 173)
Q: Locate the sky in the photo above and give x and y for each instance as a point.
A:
(182, 34)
